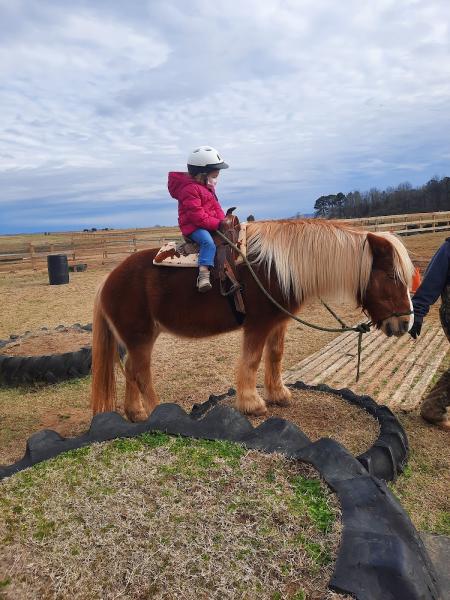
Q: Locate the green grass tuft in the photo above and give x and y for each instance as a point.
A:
(5, 582)
(319, 554)
(309, 497)
(441, 525)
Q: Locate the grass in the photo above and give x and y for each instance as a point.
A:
(159, 515)
(423, 488)
(308, 497)
(63, 240)
(25, 410)
(37, 304)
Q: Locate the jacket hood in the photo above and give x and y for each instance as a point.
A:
(177, 181)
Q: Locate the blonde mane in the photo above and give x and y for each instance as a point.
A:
(316, 258)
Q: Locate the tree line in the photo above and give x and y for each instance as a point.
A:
(403, 199)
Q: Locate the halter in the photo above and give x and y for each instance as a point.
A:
(360, 329)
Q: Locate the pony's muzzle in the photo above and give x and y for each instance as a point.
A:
(397, 326)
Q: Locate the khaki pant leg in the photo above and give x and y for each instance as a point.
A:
(434, 406)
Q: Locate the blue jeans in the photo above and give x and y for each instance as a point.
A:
(207, 247)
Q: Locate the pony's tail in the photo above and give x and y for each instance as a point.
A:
(104, 356)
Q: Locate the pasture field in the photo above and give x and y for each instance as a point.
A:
(25, 252)
(187, 371)
(20, 242)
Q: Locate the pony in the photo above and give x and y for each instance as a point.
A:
(296, 260)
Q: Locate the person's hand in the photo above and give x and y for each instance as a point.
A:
(415, 330)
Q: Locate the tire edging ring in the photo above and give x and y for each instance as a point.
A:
(48, 368)
(385, 459)
(388, 456)
(381, 555)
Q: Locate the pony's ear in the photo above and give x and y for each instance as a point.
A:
(380, 246)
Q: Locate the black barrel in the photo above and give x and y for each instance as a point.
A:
(58, 269)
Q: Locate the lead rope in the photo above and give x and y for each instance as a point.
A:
(360, 329)
(360, 334)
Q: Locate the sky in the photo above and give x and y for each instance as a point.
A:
(99, 99)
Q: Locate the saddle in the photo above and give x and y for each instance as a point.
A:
(185, 254)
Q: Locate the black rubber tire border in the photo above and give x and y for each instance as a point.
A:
(387, 457)
(381, 556)
(51, 368)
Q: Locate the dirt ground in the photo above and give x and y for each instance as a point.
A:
(41, 343)
(204, 367)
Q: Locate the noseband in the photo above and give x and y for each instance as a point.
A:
(394, 314)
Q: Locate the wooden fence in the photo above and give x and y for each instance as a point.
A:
(109, 247)
(405, 224)
(30, 252)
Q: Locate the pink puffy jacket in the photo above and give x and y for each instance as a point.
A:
(198, 207)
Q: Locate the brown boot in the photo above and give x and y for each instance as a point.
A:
(434, 407)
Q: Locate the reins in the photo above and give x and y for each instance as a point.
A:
(360, 329)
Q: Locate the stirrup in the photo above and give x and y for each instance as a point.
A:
(236, 287)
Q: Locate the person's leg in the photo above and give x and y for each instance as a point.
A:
(435, 405)
(206, 256)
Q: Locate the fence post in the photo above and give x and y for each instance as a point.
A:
(134, 244)
(32, 257)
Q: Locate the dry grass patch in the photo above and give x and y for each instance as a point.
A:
(23, 411)
(424, 245)
(165, 517)
(48, 342)
(424, 488)
(33, 303)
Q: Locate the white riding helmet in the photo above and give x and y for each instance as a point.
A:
(205, 159)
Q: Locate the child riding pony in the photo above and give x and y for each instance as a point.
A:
(296, 260)
(199, 211)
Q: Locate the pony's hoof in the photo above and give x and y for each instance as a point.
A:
(136, 416)
(281, 397)
(255, 406)
(257, 411)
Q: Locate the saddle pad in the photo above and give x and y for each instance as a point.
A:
(185, 254)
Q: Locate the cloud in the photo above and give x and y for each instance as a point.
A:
(304, 98)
